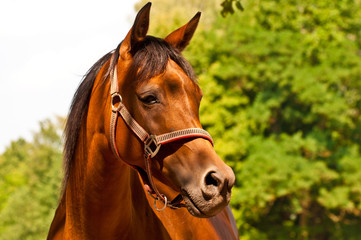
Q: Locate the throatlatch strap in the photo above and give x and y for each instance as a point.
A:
(175, 203)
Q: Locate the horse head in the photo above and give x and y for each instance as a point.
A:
(159, 89)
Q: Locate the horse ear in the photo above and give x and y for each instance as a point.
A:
(138, 31)
(181, 37)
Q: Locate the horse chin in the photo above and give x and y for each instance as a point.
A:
(201, 208)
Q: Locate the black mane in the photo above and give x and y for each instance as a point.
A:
(151, 57)
(77, 114)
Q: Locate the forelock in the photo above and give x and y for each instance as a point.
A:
(151, 56)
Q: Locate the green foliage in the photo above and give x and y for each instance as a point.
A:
(227, 7)
(282, 91)
(29, 183)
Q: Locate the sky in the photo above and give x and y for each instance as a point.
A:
(45, 49)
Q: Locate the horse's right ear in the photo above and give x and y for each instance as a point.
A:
(138, 32)
(181, 37)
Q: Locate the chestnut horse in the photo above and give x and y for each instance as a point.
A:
(138, 164)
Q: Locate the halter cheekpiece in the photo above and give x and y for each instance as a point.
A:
(152, 143)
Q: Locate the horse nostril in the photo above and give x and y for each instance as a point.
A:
(217, 183)
(211, 186)
(211, 179)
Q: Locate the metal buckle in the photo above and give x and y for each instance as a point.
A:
(116, 100)
(165, 203)
(151, 147)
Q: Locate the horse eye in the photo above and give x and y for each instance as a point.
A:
(150, 99)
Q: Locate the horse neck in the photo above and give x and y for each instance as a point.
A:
(98, 189)
(105, 198)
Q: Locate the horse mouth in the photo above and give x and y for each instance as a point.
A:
(192, 206)
(200, 207)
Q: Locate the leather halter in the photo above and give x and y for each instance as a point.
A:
(152, 143)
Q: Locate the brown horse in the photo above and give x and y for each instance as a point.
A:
(119, 178)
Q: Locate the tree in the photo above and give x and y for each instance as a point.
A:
(282, 100)
(29, 186)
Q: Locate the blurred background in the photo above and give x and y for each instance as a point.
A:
(282, 99)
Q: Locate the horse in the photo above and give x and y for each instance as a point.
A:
(137, 163)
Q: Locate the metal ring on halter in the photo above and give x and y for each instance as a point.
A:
(116, 99)
(165, 203)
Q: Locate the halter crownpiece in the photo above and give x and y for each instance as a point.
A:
(152, 143)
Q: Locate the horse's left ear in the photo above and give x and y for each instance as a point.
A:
(138, 31)
(181, 37)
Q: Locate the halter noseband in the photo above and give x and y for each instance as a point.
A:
(152, 143)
